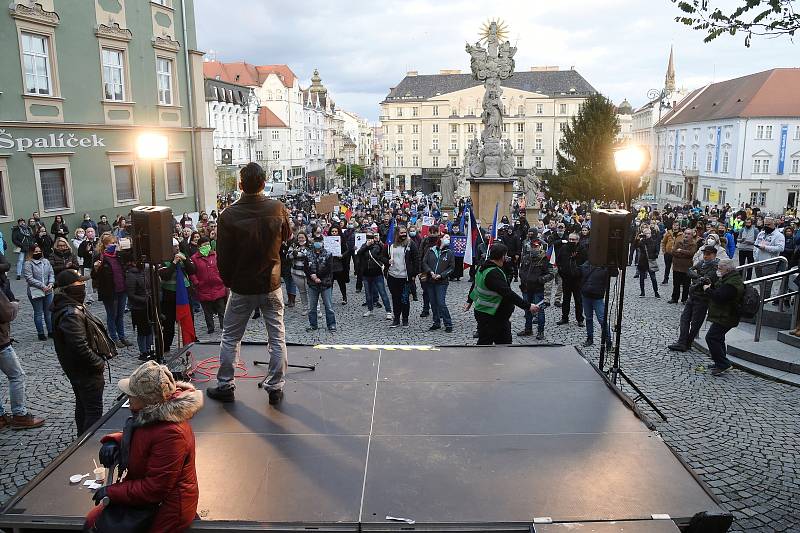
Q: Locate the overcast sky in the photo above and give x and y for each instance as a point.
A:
(362, 48)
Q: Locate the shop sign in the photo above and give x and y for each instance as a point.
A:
(53, 140)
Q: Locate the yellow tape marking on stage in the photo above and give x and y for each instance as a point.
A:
(388, 347)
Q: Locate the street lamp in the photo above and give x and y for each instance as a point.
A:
(152, 147)
(630, 160)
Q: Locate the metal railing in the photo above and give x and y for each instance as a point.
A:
(783, 292)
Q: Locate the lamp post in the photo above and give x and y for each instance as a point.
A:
(152, 147)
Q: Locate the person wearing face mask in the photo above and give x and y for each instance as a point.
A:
(438, 264)
(694, 312)
(82, 346)
(108, 273)
(45, 241)
(424, 282)
(319, 274)
(62, 257)
(569, 259)
(298, 254)
(667, 245)
(647, 264)
(373, 260)
(556, 239)
(79, 237)
(711, 239)
(58, 228)
(39, 277)
(534, 272)
(769, 244)
(403, 263)
(725, 296)
(208, 285)
(86, 252)
(340, 275)
(137, 289)
(683, 250)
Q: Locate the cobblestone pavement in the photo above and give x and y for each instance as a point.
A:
(739, 432)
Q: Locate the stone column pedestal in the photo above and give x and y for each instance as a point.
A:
(488, 192)
(532, 214)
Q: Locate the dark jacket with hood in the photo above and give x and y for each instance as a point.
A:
(320, 262)
(725, 297)
(372, 259)
(78, 346)
(593, 281)
(23, 237)
(534, 271)
(443, 264)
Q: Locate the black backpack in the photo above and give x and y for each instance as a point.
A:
(751, 299)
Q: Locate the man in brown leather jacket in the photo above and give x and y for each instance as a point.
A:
(249, 237)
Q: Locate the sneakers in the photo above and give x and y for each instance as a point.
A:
(367, 313)
(588, 342)
(145, 356)
(389, 316)
(119, 344)
(675, 347)
(658, 295)
(332, 329)
(311, 328)
(344, 301)
(562, 322)
(448, 329)
(405, 324)
(414, 298)
(275, 396)
(716, 371)
(25, 421)
(665, 282)
(434, 327)
(540, 336)
(395, 324)
(524, 333)
(557, 303)
(641, 295)
(221, 395)
(671, 301)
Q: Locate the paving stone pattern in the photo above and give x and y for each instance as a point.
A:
(739, 432)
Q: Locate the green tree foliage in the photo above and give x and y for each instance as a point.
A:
(356, 171)
(585, 159)
(750, 17)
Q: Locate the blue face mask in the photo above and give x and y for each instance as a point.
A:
(317, 245)
(111, 248)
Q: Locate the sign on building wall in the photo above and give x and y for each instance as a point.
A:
(713, 196)
(53, 140)
(782, 148)
(675, 155)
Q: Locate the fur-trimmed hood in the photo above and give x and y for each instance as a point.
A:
(182, 406)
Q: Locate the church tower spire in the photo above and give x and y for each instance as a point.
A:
(669, 80)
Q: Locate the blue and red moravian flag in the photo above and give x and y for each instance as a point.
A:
(183, 311)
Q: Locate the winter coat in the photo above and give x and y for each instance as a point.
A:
(721, 252)
(38, 273)
(207, 282)
(730, 245)
(75, 343)
(774, 242)
(593, 281)
(59, 230)
(443, 264)
(89, 224)
(701, 269)
(103, 278)
(62, 261)
(103, 227)
(372, 259)
(298, 255)
(724, 300)
(648, 251)
(8, 312)
(161, 461)
(136, 288)
(534, 271)
(668, 242)
(86, 252)
(320, 262)
(45, 242)
(683, 251)
(569, 260)
(23, 237)
(411, 259)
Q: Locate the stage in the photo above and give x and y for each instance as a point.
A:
(452, 438)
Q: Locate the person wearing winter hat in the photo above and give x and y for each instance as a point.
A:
(160, 456)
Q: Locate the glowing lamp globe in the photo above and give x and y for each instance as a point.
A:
(631, 159)
(152, 146)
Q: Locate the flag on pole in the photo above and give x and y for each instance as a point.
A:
(183, 311)
(493, 234)
(466, 229)
(390, 234)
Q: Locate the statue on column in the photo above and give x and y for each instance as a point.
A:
(448, 187)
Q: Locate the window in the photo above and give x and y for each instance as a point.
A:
(562, 126)
(258, 135)
(399, 128)
(696, 136)
(680, 161)
(520, 143)
(706, 193)
(539, 127)
(276, 155)
(520, 127)
(758, 198)
(725, 159)
(759, 132)
(415, 160)
(164, 75)
(400, 161)
(537, 144)
(435, 161)
(399, 111)
(723, 195)
(113, 75)
(36, 60)
(453, 112)
(669, 160)
(125, 183)
(760, 166)
(53, 183)
(435, 128)
(694, 160)
(175, 184)
(709, 161)
(727, 134)
(562, 109)
(399, 145)
(435, 113)
(276, 135)
(768, 132)
(414, 144)
(521, 110)
(797, 133)
(453, 128)
(505, 127)
(537, 161)
(4, 208)
(453, 161)
(519, 161)
(471, 111)
(415, 128)
(259, 155)
(470, 128)
(414, 111)
(539, 109)
(795, 169)
(435, 145)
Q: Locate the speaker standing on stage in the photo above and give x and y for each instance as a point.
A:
(250, 234)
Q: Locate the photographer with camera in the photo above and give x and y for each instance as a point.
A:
(703, 273)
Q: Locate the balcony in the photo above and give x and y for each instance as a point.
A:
(452, 151)
(519, 151)
(433, 151)
(538, 151)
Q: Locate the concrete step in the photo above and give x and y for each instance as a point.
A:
(774, 318)
(769, 353)
(765, 371)
(787, 338)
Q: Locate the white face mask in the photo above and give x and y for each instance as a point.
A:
(720, 273)
(445, 242)
(710, 242)
(646, 235)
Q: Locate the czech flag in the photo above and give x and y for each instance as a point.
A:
(493, 234)
(470, 229)
(183, 311)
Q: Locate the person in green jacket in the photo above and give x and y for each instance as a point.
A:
(723, 312)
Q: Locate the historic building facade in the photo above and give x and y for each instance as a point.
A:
(736, 142)
(428, 121)
(74, 98)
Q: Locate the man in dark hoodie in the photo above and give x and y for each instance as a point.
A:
(82, 346)
(494, 300)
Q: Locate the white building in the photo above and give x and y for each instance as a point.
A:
(428, 121)
(235, 122)
(625, 119)
(274, 146)
(736, 142)
(315, 107)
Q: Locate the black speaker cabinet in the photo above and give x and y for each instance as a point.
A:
(609, 237)
(152, 232)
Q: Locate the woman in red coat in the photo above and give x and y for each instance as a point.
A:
(208, 286)
(159, 466)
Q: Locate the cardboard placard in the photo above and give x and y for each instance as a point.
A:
(373, 200)
(333, 243)
(326, 204)
(428, 221)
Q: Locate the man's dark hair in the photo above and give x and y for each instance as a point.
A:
(498, 251)
(203, 240)
(252, 178)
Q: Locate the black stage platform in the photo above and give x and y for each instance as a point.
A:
(454, 438)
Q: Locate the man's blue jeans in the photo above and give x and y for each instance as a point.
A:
(20, 263)
(596, 306)
(115, 315)
(9, 365)
(314, 293)
(375, 286)
(534, 297)
(438, 295)
(41, 313)
(291, 288)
